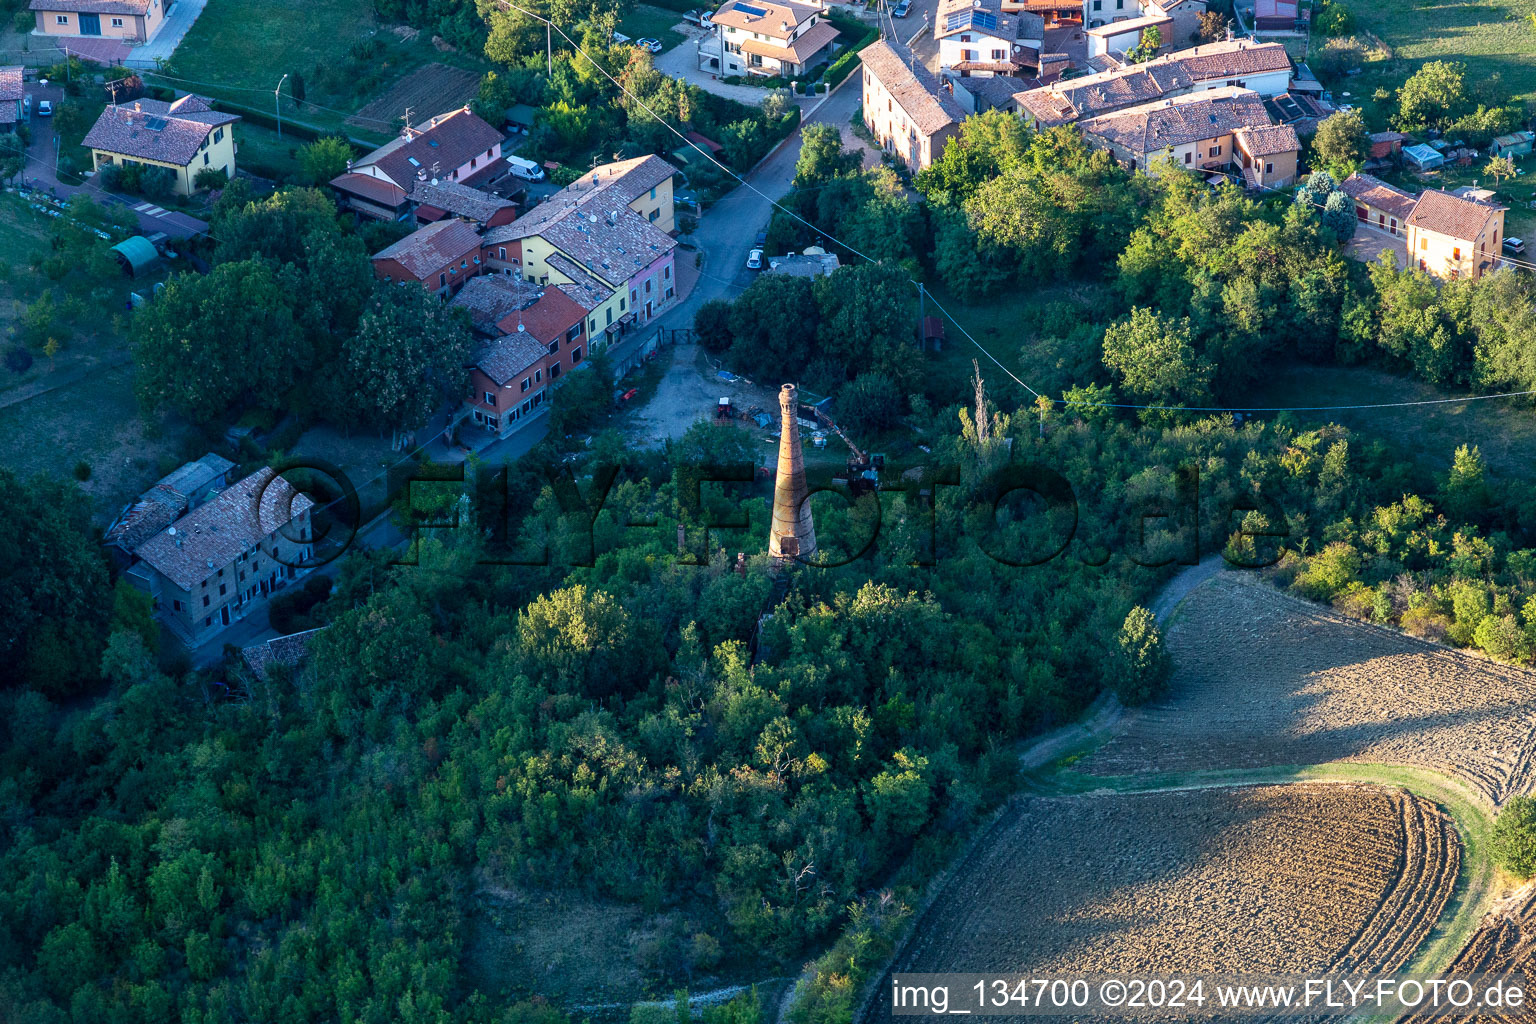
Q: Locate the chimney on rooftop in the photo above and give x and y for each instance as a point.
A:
(138, 107)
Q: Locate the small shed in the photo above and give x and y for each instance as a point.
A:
(1423, 157)
(1513, 144)
(933, 333)
(136, 255)
(1385, 145)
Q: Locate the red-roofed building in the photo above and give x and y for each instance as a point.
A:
(440, 257)
(1275, 15)
(540, 340)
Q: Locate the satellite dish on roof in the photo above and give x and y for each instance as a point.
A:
(171, 530)
(521, 329)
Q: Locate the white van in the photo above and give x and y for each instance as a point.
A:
(525, 169)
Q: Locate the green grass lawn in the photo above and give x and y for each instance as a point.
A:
(263, 153)
(1491, 36)
(646, 22)
(238, 50)
(1005, 327)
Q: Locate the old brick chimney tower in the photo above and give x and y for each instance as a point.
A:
(792, 534)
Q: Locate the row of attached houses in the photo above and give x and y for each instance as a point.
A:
(767, 38)
(1452, 234)
(546, 290)
(912, 114)
(209, 552)
(533, 333)
(1207, 131)
(185, 136)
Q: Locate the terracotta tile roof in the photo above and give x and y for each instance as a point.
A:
(11, 85)
(212, 535)
(801, 50)
(507, 357)
(490, 297)
(914, 88)
(1268, 140)
(460, 200)
(448, 141)
(1155, 126)
(1389, 137)
(287, 650)
(996, 91)
(156, 130)
(547, 319)
(764, 17)
(427, 250)
(1274, 8)
(128, 7)
(366, 186)
(1230, 59)
(627, 180)
(587, 291)
(1371, 191)
(11, 91)
(1451, 215)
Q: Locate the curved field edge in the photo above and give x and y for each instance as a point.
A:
(1470, 900)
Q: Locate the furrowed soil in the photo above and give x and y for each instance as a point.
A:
(1263, 679)
(1295, 878)
(1505, 942)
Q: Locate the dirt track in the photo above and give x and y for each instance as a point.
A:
(1262, 679)
(1270, 879)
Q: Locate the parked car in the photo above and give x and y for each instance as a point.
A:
(1514, 247)
(762, 240)
(698, 17)
(44, 108)
(902, 9)
(651, 45)
(755, 259)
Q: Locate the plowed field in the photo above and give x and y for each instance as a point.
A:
(1266, 879)
(1262, 679)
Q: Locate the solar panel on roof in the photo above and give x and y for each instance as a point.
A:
(156, 124)
(748, 9)
(953, 21)
(984, 19)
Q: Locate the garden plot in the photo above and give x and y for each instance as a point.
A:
(1262, 679)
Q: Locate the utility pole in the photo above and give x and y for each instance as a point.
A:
(277, 104)
(922, 342)
(549, 52)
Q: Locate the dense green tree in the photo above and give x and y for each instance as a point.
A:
(324, 159)
(406, 358)
(1155, 358)
(1514, 836)
(1433, 97)
(53, 585)
(1341, 143)
(210, 342)
(1143, 665)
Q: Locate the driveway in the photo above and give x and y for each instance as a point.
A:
(183, 14)
(1370, 243)
(682, 62)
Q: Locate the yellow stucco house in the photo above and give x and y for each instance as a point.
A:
(135, 21)
(605, 239)
(1455, 234)
(185, 136)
